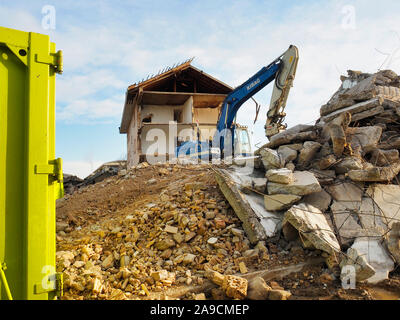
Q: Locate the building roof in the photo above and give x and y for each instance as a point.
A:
(179, 82)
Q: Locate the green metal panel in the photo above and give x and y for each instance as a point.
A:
(30, 176)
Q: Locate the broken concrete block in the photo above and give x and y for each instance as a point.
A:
(338, 138)
(171, 229)
(386, 197)
(242, 267)
(325, 162)
(214, 276)
(304, 183)
(347, 164)
(160, 275)
(276, 294)
(189, 258)
(372, 218)
(279, 202)
(363, 90)
(258, 223)
(320, 200)
(313, 226)
(347, 221)
(364, 139)
(270, 159)
(393, 241)
(335, 131)
(345, 191)
(247, 207)
(367, 114)
(324, 177)
(362, 269)
(338, 104)
(296, 134)
(293, 130)
(258, 289)
(249, 183)
(259, 184)
(108, 262)
(164, 244)
(283, 175)
(382, 158)
(310, 149)
(377, 174)
(376, 256)
(358, 111)
(287, 154)
(235, 287)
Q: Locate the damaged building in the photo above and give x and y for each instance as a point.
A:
(184, 95)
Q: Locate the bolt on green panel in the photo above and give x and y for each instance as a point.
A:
(30, 175)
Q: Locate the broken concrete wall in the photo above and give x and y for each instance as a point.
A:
(329, 181)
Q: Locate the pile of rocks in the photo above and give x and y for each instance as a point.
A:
(172, 240)
(336, 182)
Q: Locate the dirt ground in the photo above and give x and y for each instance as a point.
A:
(82, 214)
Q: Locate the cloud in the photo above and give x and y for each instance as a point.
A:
(110, 46)
(81, 168)
(88, 110)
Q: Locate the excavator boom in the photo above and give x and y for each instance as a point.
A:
(283, 83)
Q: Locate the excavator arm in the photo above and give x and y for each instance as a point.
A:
(283, 83)
(282, 70)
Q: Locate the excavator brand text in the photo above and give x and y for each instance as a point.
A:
(254, 83)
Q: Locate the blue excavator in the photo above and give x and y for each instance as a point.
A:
(231, 139)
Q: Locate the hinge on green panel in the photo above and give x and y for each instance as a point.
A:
(53, 169)
(54, 283)
(54, 59)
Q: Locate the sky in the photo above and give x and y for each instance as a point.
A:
(109, 45)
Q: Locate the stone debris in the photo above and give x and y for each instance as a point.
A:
(277, 294)
(271, 159)
(233, 286)
(283, 175)
(336, 182)
(279, 202)
(376, 256)
(393, 241)
(313, 227)
(258, 289)
(304, 183)
(327, 190)
(168, 242)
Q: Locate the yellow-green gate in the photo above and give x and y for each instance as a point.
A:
(30, 175)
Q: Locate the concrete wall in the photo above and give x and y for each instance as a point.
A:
(187, 111)
(206, 115)
(132, 141)
(161, 114)
(161, 139)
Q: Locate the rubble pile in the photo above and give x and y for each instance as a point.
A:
(71, 183)
(169, 240)
(335, 184)
(324, 200)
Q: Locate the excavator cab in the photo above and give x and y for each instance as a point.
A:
(242, 144)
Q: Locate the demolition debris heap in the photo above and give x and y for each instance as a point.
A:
(336, 183)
